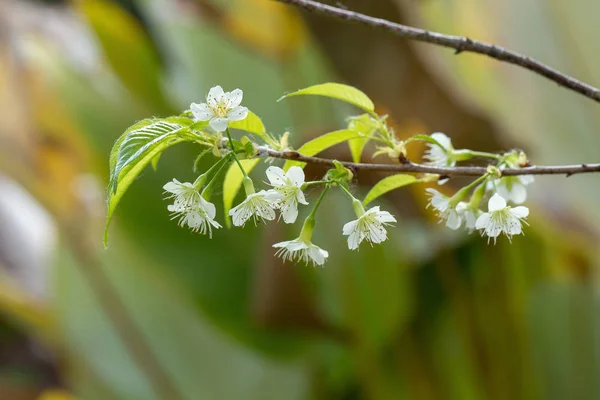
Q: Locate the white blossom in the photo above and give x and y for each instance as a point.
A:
(301, 250)
(220, 108)
(191, 208)
(501, 218)
(261, 206)
(452, 215)
(289, 185)
(513, 188)
(440, 156)
(369, 226)
(469, 214)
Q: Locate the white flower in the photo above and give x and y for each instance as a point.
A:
(191, 208)
(452, 215)
(513, 188)
(259, 205)
(370, 226)
(440, 156)
(501, 218)
(301, 250)
(469, 214)
(220, 108)
(289, 185)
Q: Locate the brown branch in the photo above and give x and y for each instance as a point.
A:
(568, 170)
(458, 43)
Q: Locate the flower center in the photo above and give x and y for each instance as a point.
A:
(220, 109)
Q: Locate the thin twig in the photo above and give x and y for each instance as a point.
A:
(458, 43)
(568, 170)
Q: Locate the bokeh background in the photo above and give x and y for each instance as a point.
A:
(166, 314)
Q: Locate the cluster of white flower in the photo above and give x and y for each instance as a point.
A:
(192, 208)
(500, 217)
(285, 195)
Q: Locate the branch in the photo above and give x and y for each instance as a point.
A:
(264, 151)
(458, 43)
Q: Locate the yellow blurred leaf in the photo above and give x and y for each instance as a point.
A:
(271, 28)
(56, 394)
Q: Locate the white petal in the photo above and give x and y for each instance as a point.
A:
(240, 214)
(296, 175)
(215, 95)
(219, 124)
(354, 240)
(496, 203)
(349, 227)
(172, 187)
(454, 220)
(520, 212)
(377, 233)
(235, 98)
(276, 176)
(384, 216)
(201, 112)
(237, 114)
(289, 211)
(483, 221)
(317, 255)
(442, 139)
(300, 197)
(519, 193)
(493, 231)
(271, 196)
(514, 227)
(283, 244)
(208, 207)
(526, 179)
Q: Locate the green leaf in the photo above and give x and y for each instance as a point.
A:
(128, 175)
(233, 183)
(155, 161)
(183, 121)
(387, 184)
(252, 123)
(140, 145)
(365, 125)
(137, 142)
(321, 143)
(338, 91)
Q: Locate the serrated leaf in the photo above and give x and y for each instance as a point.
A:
(338, 91)
(388, 184)
(128, 175)
(233, 183)
(321, 143)
(137, 142)
(252, 123)
(114, 153)
(183, 121)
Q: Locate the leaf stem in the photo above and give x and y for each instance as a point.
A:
(235, 157)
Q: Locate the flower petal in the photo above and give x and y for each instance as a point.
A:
(235, 98)
(496, 203)
(201, 112)
(377, 233)
(296, 175)
(454, 220)
(237, 114)
(300, 197)
(219, 124)
(289, 212)
(209, 208)
(483, 221)
(349, 227)
(520, 212)
(354, 240)
(443, 140)
(214, 96)
(276, 176)
(385, 217)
